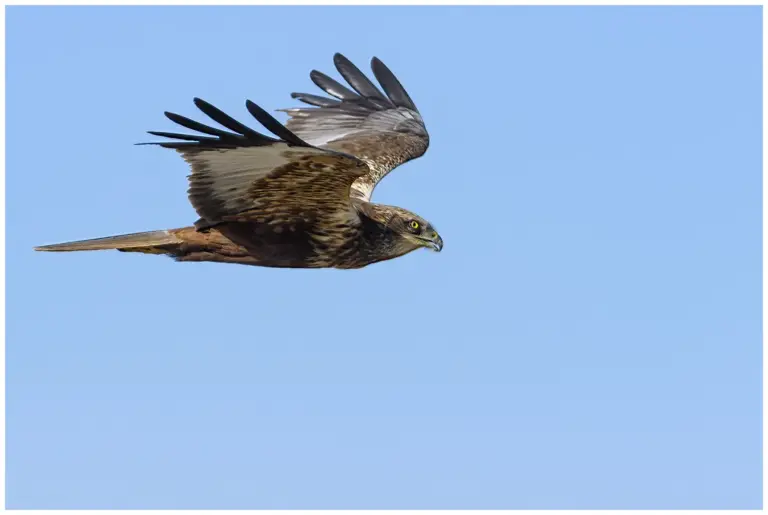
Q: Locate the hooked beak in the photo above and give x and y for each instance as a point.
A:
(436, 243)
(432, 241)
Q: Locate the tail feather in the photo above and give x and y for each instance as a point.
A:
(121, 242)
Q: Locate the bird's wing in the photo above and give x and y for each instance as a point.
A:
(249, 177)
(385, 131)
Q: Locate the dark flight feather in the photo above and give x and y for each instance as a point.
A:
(315, 100)
(176, 135)
(331, 86)
(358, 80)
(392, 87)
(275, 127)
(230, 123)
(243, 137)
(197, 126)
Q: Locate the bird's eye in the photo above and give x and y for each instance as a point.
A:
(414, 225)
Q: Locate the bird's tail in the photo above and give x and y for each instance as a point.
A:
(151, 242)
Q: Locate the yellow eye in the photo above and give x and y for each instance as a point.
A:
(414, 224)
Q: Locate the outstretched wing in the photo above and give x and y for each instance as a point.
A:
(246, 176)
(384, 131)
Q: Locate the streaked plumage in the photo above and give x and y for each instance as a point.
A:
(302, 198)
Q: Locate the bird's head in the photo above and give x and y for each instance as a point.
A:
(417, 231)
(398, 230)
(412, 230)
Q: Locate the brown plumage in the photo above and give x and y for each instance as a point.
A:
(302, 198)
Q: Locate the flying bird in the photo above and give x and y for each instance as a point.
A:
(302, 197)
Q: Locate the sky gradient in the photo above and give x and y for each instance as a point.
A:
(590, 337)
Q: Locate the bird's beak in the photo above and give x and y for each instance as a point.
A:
(432, 241)
(436, 243)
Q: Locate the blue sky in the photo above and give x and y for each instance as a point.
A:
(590, 337)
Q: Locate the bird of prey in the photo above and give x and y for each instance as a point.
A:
(301, 199)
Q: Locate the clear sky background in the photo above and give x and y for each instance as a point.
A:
(590, 337)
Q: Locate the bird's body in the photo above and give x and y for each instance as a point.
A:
(301, 200)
